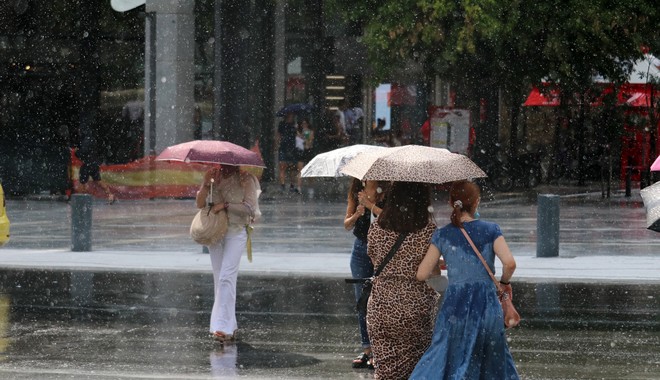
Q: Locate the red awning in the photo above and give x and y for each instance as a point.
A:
(536, 98)
(639, 99)
(633, 95)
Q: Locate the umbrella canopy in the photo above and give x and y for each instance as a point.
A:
(329, 164)
(656, 165)
(211, 152)
(651, 198)
(294, 108)
(413, 163)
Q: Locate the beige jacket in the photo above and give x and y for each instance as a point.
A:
(242, 192)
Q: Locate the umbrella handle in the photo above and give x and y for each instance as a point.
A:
(211, 193)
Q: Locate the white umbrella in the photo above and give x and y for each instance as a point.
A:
(329, 164)
(651, 198)
(413, 163)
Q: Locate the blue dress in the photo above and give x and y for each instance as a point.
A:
(469, 340)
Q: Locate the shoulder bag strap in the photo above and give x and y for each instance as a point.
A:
(474, 247)
(389, 256)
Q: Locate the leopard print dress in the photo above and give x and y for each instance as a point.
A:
(401, 310)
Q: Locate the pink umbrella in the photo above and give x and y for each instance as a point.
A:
(656, 165)
(211, 152)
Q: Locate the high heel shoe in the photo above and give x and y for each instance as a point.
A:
(221, 337)
(363, 361)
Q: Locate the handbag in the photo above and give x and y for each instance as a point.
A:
(367, 283)
(511, 316)
(208, 228)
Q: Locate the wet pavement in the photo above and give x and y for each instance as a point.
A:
(63, 325)
(100, 319)
(589, 225)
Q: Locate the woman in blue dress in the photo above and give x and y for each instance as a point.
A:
(469, 340)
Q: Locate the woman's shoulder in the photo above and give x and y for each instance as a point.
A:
(247, 178)
(490, 227)
(444, 229)
(430, 227)
(486, 224)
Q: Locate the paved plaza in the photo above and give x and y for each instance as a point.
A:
(137, 305)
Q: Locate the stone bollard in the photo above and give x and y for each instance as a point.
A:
(81, 222)
(547, 226)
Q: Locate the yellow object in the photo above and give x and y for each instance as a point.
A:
(5, 323)
(4, 220)
(248, 229)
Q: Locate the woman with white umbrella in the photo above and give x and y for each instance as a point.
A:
(365, 202)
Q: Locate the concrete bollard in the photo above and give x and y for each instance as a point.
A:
(81, 222)
(547, 226)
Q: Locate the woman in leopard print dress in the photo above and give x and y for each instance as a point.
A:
(401, 310)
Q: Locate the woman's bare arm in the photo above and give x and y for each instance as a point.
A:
(429, 263)
(503, 253)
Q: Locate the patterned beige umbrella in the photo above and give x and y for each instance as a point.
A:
(413, 163)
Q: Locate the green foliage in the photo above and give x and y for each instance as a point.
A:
(508, 43)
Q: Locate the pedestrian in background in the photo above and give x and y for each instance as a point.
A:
(91, 168)
(305, 148)
(287, 155)
(238, 193)
(401, 310)
(469, 340)
(365, 203)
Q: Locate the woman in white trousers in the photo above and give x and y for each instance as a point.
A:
(236, 192)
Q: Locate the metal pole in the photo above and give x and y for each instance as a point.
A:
(81, 222)
(547, 226)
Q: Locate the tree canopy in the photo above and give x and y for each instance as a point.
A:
(505, 43)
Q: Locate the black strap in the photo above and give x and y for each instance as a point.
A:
(389, 256)
(386, 260)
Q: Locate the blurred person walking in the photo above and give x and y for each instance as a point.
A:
(304, 147)
(287, 155)
(401, 310)
(91, 168)
(469, 340)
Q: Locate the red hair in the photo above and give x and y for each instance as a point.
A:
(463, 196)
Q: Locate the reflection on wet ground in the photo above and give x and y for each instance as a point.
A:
(84, 325)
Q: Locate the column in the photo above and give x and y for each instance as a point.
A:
(174, 71)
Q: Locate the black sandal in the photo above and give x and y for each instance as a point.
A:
(363, 361)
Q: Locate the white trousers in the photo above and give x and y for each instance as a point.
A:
(225, 258)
